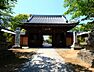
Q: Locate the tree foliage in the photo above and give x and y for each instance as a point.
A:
(6, 11)
(84, 27)
(6, 4)
(17, 20)
(80, 8)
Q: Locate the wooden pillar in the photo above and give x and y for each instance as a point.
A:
(59, 41)
(29, 39)
(53, 40)
(64, 39)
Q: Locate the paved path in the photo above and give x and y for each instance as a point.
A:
(46, 60)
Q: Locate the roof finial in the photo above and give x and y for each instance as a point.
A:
(30, 17)
(65, 18)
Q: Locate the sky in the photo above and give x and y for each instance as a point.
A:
(40, 7)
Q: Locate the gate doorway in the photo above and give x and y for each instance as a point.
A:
(47, 41)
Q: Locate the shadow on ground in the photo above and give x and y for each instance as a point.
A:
(11, 62)
(78, 68)
(45, 64)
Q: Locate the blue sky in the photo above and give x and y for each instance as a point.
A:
(42, 7)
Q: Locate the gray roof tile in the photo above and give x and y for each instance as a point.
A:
(47, 19)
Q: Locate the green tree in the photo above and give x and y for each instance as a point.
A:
(6, 4)
(17, 20)
(84, 27)
(6, 11)
(5, 17)
(80, 8)
(80, 28)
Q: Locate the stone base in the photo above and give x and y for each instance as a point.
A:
(76, 46)
(16, 46)
(25, 47)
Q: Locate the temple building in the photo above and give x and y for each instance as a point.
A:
(56, 26)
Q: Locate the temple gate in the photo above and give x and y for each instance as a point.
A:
(54, 25)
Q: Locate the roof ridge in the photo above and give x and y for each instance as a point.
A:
(49, 15)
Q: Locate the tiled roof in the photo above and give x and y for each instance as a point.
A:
(47, 19)
(2, 28)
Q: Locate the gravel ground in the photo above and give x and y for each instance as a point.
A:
(46, 60)
(43, 60)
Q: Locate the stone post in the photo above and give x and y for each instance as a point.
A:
(17, 38)
(75, 42)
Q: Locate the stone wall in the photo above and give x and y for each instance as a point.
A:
(90, 41)
(87, 56)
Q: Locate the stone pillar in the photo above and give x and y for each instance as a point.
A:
(17, 38)
(75, 42)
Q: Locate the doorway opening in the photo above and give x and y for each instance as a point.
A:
(47, 41)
